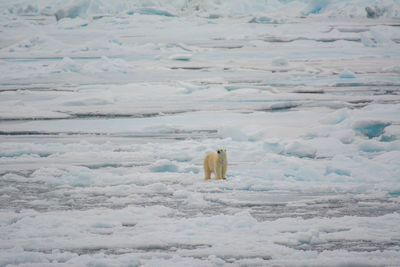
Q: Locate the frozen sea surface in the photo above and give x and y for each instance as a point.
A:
(107, 111)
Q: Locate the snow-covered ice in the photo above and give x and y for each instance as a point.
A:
(107, 109)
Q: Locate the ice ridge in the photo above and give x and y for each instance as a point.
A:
(212, 9)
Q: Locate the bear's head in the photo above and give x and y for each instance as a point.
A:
(221, 152)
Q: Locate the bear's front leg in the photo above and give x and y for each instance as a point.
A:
(224, 172)
(218, 173)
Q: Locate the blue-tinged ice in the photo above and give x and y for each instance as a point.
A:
(370, 128)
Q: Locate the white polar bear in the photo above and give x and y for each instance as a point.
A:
(216, 163)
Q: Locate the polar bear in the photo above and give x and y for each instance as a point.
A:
(216, 163)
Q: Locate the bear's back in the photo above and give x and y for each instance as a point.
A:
(211, 159)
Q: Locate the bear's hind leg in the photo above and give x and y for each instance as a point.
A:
(207, 173)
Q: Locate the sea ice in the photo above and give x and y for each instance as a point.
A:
(346, 74)
(108, 108)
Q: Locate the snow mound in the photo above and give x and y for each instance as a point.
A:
(300, 150)
(233, 133)
(335, 117)
(375, 11)
(73, 11)
(164, 165)
(104, 64)
(315, 7)
(346, 74)
(68, 65)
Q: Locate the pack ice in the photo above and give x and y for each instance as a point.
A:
(107, 109)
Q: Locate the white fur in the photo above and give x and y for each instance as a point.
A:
(216, 163)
